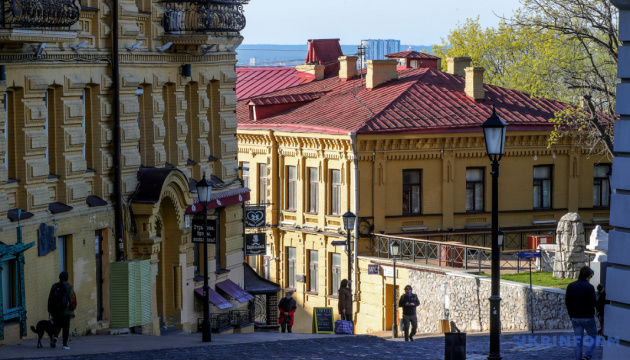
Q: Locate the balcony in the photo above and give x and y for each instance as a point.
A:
(202, 20)
(39, 20)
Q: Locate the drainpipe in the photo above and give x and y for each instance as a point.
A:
(118, 217)
(353, 144)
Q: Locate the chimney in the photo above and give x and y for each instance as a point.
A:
(380, 72)
(348, 67)
(474, 83)
(314, 69)
(456, 65)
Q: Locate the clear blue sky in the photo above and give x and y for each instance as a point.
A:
(413, 22)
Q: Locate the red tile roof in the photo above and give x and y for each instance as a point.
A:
(254, 82)
(420, 101)
(286, 99)
(410, 54)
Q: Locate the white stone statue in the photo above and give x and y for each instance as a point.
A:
(599, 242)
(570, 243)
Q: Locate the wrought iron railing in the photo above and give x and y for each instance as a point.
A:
(239, 318)
(44, 14)
(220, 322)
(454, 254)
(207, 16)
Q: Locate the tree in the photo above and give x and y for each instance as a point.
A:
(564, 50)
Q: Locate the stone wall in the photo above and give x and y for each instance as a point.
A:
(469, 306)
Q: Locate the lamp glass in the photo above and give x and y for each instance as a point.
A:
(500, 237)
(494, 134)
(204, 190)
(348, 220)
(394, 248)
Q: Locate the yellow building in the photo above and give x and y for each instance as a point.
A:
(402, 148)
(101, 169)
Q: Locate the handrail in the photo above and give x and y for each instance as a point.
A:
(53, 14)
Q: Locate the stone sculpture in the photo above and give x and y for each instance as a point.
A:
(570, 243)
(599, 242)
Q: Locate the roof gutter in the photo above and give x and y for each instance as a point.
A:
(118, 217)
(353, 144)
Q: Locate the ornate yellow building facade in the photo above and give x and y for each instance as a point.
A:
(177, 123)
(403, 150)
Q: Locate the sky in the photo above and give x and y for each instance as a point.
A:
(413, 22)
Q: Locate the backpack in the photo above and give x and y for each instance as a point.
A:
(58, 301)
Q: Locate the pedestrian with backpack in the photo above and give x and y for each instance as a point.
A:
(61, 304)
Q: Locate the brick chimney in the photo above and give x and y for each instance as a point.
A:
(380, 72)
(315, 69)
(456, 65)
(474, 83)
(348, 67)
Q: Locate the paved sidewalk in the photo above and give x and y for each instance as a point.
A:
(268, 346)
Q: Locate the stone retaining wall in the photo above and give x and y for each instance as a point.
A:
(469, 305)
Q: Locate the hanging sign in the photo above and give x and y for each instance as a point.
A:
(255, 217)
(255, 244)
(198, 233)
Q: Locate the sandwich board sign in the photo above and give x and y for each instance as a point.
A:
(323, 320)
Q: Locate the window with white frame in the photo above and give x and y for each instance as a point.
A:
(335, 273)
(267, 267)
(9, 294)
(313, 274)
(313, 186)
(291, 188)
(542, 187)
(262, 183)
(335, 192)
(291, 267)
(474, 189)
(62, 252)
(601, 186)
(411, 199)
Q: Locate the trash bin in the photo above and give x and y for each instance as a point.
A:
(454, 346)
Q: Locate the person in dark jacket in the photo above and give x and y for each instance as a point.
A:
(287, 307)
(599, 305)
(344, 305)
(580, 302)
(409, 301)
(61, 315)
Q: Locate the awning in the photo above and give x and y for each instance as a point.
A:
(234, 291)
(222, 199)
(256, 284)
(216, 299)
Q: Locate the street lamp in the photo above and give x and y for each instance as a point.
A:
(494, 134)
(204, 190)
(394, 249)
(348, 225)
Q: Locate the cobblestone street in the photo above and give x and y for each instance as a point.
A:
(513, 347)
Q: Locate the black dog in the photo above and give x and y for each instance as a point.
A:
(44, 327)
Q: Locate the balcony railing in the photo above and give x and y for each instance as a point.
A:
(39, 14)
(209, 16)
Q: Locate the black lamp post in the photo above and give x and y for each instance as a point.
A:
(394, 249)
(348, 225)
(204, 190)
(494, 134)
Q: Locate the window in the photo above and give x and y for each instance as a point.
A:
(9, 281)
(411, 191)
(601, 187)
(291, 268)
(335, 273)
(335, 192)
(312, 273)
(5, 103)
(313, 185)
(245, 173)
(291, 188)
(542, 187)
(262, 183)
(139, 97)
(62, 252)
(267, 267)
(474, 189)
(47, 125)
(196, 259)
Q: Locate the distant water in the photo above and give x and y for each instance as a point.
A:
(291, 55)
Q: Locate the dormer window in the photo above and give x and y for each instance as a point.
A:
(252, 112)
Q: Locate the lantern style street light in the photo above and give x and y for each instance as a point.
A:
(494, 134)
(204, 190)
(394, 249)
(348, 225)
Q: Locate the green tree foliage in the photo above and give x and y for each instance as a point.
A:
(564, 50)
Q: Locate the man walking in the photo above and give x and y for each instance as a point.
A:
(580, 302)
(409, 302)
(61, 304)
